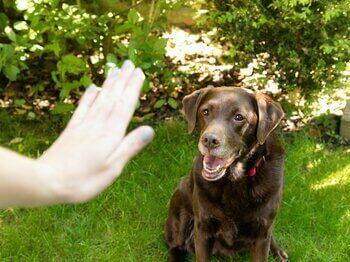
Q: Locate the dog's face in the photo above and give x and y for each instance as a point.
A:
(231, 121)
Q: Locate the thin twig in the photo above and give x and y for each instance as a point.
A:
(130, 7)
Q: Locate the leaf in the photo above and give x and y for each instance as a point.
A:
(132, 48)
(20, 111)
(3, 21)
(54, 77)
(111, 58)
(7, 52)
(133, 16)
(122, 49)
(10, 33)
(120, 29)
(159, 104)
(145, 65)
(146, 86)
(16, 140)
(36, 48)
(111, 63)
(67, 87)
(23, 5)
(38, 88)
(11, 72)
(54, 47)
(172, 102)
(71, 64)
(31, 115)
(19, 102)
(137, 119)
(85, 81)
(160, 44)
(20, 25)
(32, 34)
(61, 108)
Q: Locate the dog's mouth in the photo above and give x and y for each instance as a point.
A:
(214, 168)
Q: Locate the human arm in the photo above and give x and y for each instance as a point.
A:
(89, 154)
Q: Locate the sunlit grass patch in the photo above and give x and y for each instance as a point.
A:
(340, 177)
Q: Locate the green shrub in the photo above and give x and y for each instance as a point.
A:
(72, 46)
(308, 41)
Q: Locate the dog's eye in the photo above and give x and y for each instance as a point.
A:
(238, 117)
(205, 112)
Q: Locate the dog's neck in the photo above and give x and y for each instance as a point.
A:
(248, 163)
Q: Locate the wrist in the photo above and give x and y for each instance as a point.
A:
(26, 182)
(53, 189)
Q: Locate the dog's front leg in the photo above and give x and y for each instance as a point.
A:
(260, 250)
(201, 243)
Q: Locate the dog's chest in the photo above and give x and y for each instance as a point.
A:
(244, 217)
(242, 199)
(234, 200)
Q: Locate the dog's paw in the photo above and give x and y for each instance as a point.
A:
(281, 255)
(228, 233)
(228, 237)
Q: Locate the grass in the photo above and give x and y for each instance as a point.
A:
(125, 223)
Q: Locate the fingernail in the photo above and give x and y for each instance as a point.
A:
(147, 134)
(114, 71)
(127, 65)
(91, 88)
(140, 73)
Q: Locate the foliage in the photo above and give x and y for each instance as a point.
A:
(73, 46)
(307, 41)
(9, 62)
(50, 50)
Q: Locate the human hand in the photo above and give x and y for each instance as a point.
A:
(93, 149)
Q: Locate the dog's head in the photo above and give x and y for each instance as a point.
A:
(230, 120)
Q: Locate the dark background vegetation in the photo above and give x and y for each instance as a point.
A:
(50, 51)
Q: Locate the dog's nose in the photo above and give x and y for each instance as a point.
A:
(210, 141)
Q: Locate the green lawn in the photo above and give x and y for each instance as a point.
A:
(126, 222)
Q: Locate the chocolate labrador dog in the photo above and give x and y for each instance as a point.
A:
(230, 199)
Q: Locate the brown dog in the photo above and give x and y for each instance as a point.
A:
(230, 199)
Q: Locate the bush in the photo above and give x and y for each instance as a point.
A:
(307, 41)
(65, 46)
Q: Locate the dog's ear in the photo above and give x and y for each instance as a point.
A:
(270, 115)
(191, 103)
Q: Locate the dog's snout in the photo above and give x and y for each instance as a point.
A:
(210, 141)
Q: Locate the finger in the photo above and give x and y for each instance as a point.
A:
(85, 103)
(116, 86)
(112, 90)
(111, 78)
(130, 146)
(125, 107)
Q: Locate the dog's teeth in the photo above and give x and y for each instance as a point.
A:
(210, 171)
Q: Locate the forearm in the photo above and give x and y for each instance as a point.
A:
(24, 181)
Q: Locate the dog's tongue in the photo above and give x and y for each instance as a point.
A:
(212, 162)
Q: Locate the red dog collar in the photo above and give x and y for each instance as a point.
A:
(252, 170)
